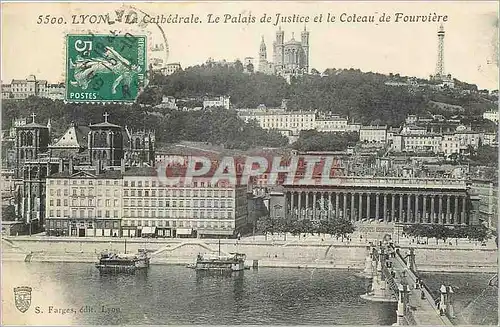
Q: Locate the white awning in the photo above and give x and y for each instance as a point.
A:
(148, 230)
(184, 231)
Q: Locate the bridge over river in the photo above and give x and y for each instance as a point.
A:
(395, 279)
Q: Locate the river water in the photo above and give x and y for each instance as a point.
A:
(75, 293)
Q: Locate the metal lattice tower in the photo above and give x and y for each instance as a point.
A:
(440, 59)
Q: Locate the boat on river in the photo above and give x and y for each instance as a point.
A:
(219, 263)
(111, 262)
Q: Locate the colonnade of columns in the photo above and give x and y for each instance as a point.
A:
(405, 207)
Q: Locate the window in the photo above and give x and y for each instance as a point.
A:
(108, 203)
(132, 183)
(51, 202)
(58, 202)
(132, 193)
(58, 192)
(115, 213)
(107, 213)
(125, 193)
(66, 192)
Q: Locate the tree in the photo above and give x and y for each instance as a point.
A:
(250, 68)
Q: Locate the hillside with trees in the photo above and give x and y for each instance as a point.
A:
(362, 96)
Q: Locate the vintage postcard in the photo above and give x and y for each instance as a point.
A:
(249, 163)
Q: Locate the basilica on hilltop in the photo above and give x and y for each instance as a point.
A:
(290, 58)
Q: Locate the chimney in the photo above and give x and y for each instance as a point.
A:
(70, 166)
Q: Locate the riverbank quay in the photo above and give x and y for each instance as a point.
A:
(308, 252)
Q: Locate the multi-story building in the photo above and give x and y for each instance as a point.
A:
(171, 68)
(332, 124)
(491, 115)
(490, 139)
(222, 101)
(450, 144)
(294, 121)
(199, 208)
(84, 203)
(373, 134)
(487, 191)
(24, 88)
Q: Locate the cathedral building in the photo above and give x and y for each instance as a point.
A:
(290, 58)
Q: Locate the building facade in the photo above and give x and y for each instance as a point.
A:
(222, 101)
(395, 200)
(290, 58)
(373, 134)
(23, 88)
(134, 203)
(84, 203)
(171, 68)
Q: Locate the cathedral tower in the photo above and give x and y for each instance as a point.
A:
(31, 140)
(262, 56)
(105, 143)
(279, 50)
(305, 47)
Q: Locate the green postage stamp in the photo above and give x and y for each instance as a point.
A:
(105, 68)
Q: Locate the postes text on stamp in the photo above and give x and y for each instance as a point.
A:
(105, 68)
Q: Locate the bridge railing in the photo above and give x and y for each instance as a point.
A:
(412, 276)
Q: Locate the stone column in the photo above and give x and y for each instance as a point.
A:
(408, 208)
(448, 211)
(330, 205)
(384, 216)
(433, 209)
(307, 205)
(314, 205)
(292, 211)
(337, 205)
(377, 208)
(400, 218)
(393, 206)
(299, 200)
(344, 209)
(360, 206)
(418, 218)
(368, 206)
(455, 214)
(440, 209)
(424, 209)
(352, 207)
(464, 208)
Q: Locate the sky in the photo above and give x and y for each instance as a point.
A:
(470, 53)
